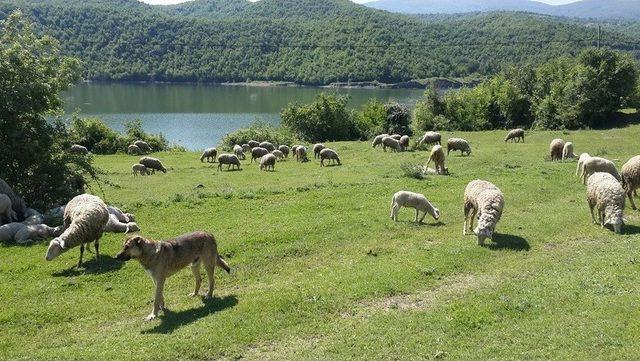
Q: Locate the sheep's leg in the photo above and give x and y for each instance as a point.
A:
(465, 227)
(81, 253)
(472, 219)
(96, 245)
(423, 215)
(394, 211)
(210, 267)
(593, 218)
(417, 214)
(633, 205)
(195, 268)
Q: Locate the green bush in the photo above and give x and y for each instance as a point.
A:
(259, 131)
(325, 119)
(94, 134)
(371, 120)
(133, 131)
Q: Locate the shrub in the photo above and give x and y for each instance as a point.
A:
(94, 134)
(371, 120)
(415, 171)
(398, 119)
(133, 131)
(258, 131)
(325, 119)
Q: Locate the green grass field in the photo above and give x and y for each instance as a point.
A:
(319, 271)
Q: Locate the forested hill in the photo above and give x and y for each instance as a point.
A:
(304, 41)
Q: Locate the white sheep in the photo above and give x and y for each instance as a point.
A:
(330, 154)
(630, 174)
(7, 214)
(229, 159)
(238, 151)
(257, 153)
(278, 153)
(555, 149)
(78, 149)
(246, 148)
(515, 135)
(85, 217)
(17, 203)
(391, 143)
(404, 141)
(153, 163)
(597, 164)
(114, 225)
(437, 156)
(301, 154)
(567, 151)
(134, 149)
(285, 150)
(317, 148)
(581, 160)
(120, 215)
(268, 146)
(606, 195)
(458, 144)
(268, 161)
(23, 233)
(487, 201)
(210, 154)
(413, 200)
(396, 136)
(430, 138)
(378, 140)
(144, 146)
(253, 144)
(138, 168)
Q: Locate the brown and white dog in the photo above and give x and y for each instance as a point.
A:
(164, 258)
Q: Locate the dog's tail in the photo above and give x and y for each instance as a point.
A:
(222, 263)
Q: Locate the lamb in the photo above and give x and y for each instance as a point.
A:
(396, 136)
(78, 149)
(458, 144)
(391, 143)
(246, 148)
(7, 214)
(413, 200)
(605, 193)
(301, 154)
(581, 160)
(630, 174)
(378, 140)
(134, 149)
(153, 163)
(437, 156)
(278, 154)
(85, 217)
(555, 149)
(229, 159)
(515, 135)
(23, 233)
(17, 203)
(257, 153)
(330, 154)
(486, 200)
(430, 138)
(268, 146)
(238, 151)
(404, 141)
(285, 150)
(567, 151)
(317, 148)
(144, 146)
(114, 225)
(253, 144)
(268, 161)
(210, 154)
(138, 168)
(597, 164)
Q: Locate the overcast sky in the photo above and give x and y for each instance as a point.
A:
(164, 2)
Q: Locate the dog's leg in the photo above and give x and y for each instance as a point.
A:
(81, 253)
(210, 267)
(195, 268)
(159, 299)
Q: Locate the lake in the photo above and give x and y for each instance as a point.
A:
(198, 116)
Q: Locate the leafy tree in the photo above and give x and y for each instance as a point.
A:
(398, 119)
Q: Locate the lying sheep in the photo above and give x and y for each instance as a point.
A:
(458, 144)
(34, 219)
(85, 217)
(486, 200)
(567, 151)
(581, 160)
(437, 156)
(285, 150)
(238, 151)
(515, 135)
(606, 195)
(430, 138)
(378, 140)
(144, 146)
(138, 168)
(597, 164)
(391, 143)
(114, 225)
(54, 216)
(317, 148)
(301, 154)
(330, 154)
(246, 148)
(7, 214)
(268, 161)
(253, 144)
(210, 154)
(630, 175)
(257, 153)
(23, 233)
(555, 149)
(268, 146)
(78, 149)
(120, 215)
(413, 200)
(278, 154)
(134, 150)
(229, 159)
(17, 203)
(153, 164)
(404, 141)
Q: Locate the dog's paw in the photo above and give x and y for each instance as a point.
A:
(193, 294)
(150, 317)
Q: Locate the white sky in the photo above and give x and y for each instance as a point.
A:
(166, 2)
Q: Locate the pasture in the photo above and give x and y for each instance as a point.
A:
(319, 271)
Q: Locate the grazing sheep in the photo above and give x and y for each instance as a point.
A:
(567, 151)
(413, 200)
(23, 233)
(7, 214)
(257, 153)
(515, 135)
(294, 150)
(246, 148)
(301, 154)
(138, 168)
(17, 203)
(210, 154)
(114, 225)
(486, 200)
(268, 146)
(391, 143)
(253, 144)
(134, 149)
(229, 159)
(458, 144)
(268, 161)
(404, 141)
(285, 150)
(555, 149)
(154, 164)
(630, 174)
(378, 140)
(437, 156)
(430, 138)
(144, 146)
(605, 193)
(583, 157)
(278, 154)
(79, 149)
(330, 154)
(396, 136)
(597, 164)
(85, 217)
(317, 148)
(238, 151)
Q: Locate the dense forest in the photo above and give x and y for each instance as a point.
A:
(304, 41)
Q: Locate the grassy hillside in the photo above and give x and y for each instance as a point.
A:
(321, 272)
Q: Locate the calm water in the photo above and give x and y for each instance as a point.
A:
(198, 116)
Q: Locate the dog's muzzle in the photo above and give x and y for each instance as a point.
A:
(123, 257)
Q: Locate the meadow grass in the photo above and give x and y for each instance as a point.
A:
(319, 271)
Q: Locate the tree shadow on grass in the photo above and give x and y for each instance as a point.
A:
(105, 265)
(508, 241)
(171, 321)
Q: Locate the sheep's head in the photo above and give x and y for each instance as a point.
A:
(56, 248)
(132, 227)
(436, 214)
(132, 248)
(616, 221)
(483, 234)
